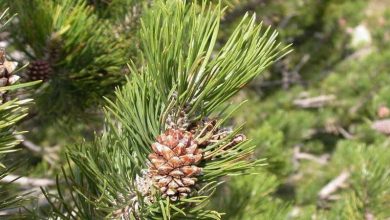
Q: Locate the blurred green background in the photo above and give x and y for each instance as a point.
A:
(321, 115)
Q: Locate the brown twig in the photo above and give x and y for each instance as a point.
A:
(334, 185)
(298, 155)
(320, 160)
(314, 102)
(345, 133)
(28, 144)
(27, 181)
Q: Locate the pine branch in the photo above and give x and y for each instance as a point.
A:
(163, 151)
(11, 112)
(298, 155)
(72, 50)
(245, 55)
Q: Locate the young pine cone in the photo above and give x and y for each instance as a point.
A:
(39, 70)
(7, 77)
(173, 163)
(6, 69)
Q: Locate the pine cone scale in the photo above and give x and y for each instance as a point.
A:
(184, 189)
(191, 149)
(179, 149)
(176, 173)
(164, 169)
(163, 150)
(173, 163)
(191, 170)
(178, 181)
(188, 181)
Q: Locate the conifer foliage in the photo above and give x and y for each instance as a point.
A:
(68, 46)
(139, 109)
(11, 111)
(320, 115)
(166, 144)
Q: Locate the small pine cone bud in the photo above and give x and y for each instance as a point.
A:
(6, 76)
(53, 48)
(173, 163)
(178, 122)
(6, 69)
(39, 70)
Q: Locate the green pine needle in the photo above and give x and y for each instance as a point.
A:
(181, 66)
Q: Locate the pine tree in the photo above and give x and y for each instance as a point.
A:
(77, 54)
(11, 111)
(80, 54)
(166, 130)
(191, 131)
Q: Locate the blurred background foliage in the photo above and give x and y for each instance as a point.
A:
(319, 115)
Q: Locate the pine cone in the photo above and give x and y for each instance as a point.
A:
(6, 76)
(6, 69)
(39, 70)
(173, 163)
